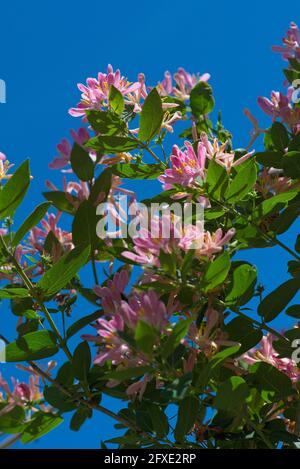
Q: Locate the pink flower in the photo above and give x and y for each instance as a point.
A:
(147, 307)
(256, 131)
(268, 354)
(37, 235)
(209, 338)
(188, 168)
(96, 91)
(274, 107)
(184, 83)
(21, 394)
(272, 180)
(291, 43)
(111, 293)
(5, 166)
(219, 154)
(64, 149)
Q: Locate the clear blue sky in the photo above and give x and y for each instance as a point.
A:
(49, 47)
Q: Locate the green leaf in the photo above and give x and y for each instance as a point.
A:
(274, 204)
(242, 183)
(32, 346)
(293, 311)
(59, 200)
(291, 164)
(128, 373)
(279, 136)
(207, 371)
(159, 420)
(270, 159)
(40, 424)
(241, 330)
(116, 100)
(201, 99)
(58, 276)
(112, 144)
(12, 421)
(145, 336)
(167, 263)
(216, 272)
(151, 116)
(81, 361)
(79, 417)
(101, 185)
(216, 180)
(59, 399)
(105, 122)
(13, 192)
(84, 225)
(270, 381)
(187, 413)
(138, 171)
(276, 301)
(14, 293)
(82, 164)
(82, 322)
(232, 394)
(31, 221)
(178, 333)
(243, 282)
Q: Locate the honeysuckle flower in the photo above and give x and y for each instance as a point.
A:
(170, 119)
(96, 91)
(147, 307)
(266, 353)
(21, 394)
(187, 167)
(5, 166)
(111, 293)
(184, 83)
(138, 388)
(64, 149)
(217, 152)
(214, 243)
(38, 235)
(272, 180)
(276, 106)
(256, 131)
(123, 157)
(208, 338)
(291, 43)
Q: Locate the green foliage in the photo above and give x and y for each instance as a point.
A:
(201, 99)
(12, 194)
(63, 271)
(151, 116)
(32, 346)
(82, 164)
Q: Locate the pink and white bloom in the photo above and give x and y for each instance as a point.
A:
(111, 293)
(291, 43)
(184, 83)
(266, 353)
(96, 91)
(187, 166)
(5, 166)
(64, 149)
(220, 155)
(276, 106)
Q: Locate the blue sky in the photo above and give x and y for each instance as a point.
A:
(49, 47)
